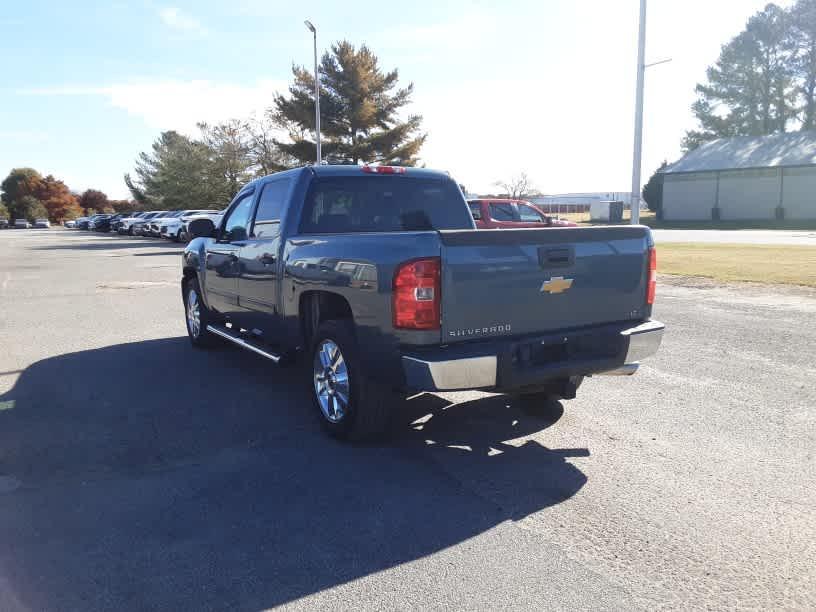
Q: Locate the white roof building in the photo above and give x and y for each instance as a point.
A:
(743, 178)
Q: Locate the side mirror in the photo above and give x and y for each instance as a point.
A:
(476, 214)
(201, 228)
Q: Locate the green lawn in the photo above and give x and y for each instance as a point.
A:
(793, 265)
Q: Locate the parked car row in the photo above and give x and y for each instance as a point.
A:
(170, 224)
(487, 213)
(24, 223)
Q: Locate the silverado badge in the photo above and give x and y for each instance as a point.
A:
(557, 284)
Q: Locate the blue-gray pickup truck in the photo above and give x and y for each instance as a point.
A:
(378, 276)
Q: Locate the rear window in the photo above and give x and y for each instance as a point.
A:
(383, 204)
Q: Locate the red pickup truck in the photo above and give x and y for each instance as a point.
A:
(503, 213)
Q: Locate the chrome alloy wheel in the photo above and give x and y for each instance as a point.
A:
(331, 381)
(193, 313)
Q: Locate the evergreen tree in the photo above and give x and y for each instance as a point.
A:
(803, 42)
(177, 173)
(653, 190)
(359, 105)
(750, 89)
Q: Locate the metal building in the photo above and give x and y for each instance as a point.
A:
(766, 177)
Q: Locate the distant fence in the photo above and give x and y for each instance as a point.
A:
(559, 209)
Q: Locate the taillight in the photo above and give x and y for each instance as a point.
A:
(652, 283)
(416, 294)
(384, 169)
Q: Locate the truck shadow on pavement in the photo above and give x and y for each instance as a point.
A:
(156, 476)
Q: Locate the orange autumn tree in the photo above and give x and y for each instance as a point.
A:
(58, 200)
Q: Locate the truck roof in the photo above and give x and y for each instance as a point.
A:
(347, 170)
(343, 170)
(352, 170)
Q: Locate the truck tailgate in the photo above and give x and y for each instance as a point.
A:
(519, 281)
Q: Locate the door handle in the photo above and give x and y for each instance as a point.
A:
(268, 259)
(556, 257)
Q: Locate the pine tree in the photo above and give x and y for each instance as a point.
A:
(359, 105)
(803, 40)
(750, 90)
(653, 190)
(178, 173)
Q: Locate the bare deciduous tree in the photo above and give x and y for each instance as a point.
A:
(517, 187)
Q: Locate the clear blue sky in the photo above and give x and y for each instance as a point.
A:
(541, 87)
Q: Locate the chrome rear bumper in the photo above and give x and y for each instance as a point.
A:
(644, 340)
(481, 371)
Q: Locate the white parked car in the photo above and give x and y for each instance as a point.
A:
(172, 228)
(126, 224)
(42, 223)
(71, 223)
(213, 215)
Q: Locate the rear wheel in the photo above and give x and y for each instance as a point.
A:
(197, 316)
(349, 404)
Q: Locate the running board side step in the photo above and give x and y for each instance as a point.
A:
(229, 335)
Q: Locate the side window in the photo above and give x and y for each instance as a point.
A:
(270, 209)
(235, 228)
(530, 214)
(503, 211)
(476, 210)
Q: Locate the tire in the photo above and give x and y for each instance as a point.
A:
(130, 231)
(365, 413)
(196, 312)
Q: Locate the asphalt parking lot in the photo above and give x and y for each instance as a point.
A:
(138, 473)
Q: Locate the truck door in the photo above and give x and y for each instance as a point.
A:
(223, 262)
(260, 266)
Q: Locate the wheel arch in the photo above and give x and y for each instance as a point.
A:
(317, 306)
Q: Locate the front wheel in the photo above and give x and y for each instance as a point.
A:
(349, 404)
(197, 316)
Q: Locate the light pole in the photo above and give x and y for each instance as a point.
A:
(641, 70)
(638, 147)
(317, 91)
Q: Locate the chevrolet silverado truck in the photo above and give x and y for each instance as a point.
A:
(379, 278)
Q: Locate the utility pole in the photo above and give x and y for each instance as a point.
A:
(638, 145)
(313, 30)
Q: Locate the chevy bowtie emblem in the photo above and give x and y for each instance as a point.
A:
(557, 284)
